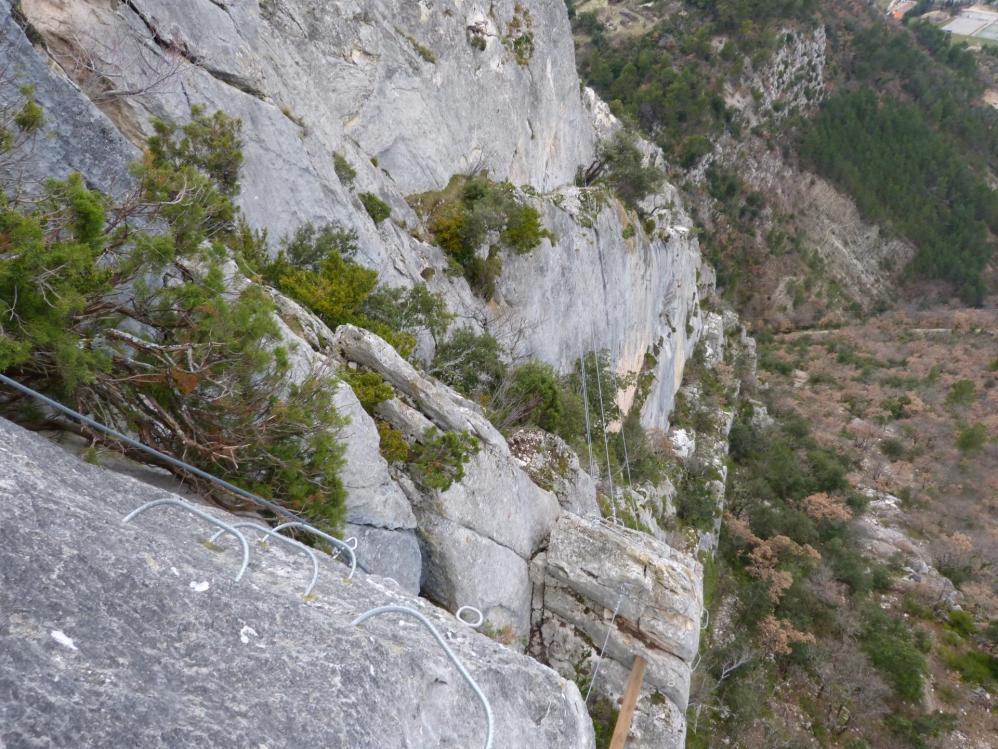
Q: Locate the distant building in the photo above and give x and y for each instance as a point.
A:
(976, 21)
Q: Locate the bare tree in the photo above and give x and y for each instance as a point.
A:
(119, 66)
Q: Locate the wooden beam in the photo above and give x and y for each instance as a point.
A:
(623, 727)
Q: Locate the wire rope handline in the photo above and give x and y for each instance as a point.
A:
(585, 411)
(623, 435)
(450, 654)
(606, 439)
(268, 532)
(326, 537)
(225, 527)
(77, 416)
(602, 652)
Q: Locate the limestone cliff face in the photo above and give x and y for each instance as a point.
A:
(411, 93)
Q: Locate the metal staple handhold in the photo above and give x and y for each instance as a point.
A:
(331, 539)
(226, 528)
(450, 654)
(289, 541)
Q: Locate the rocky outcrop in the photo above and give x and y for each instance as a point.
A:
(880, 531)
(592, 569)
(378, 513)
(494, 518)
(553, 465)
(99, 621)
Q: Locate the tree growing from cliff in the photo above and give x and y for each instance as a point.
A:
(621, 165)
(126, 310)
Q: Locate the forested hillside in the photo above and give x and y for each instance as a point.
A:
(849, 594)
(897, 125)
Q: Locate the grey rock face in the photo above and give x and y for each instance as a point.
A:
(465, 568)
(373, 498)
(592, 569)
(389, 79)
(402, 86)
(76, 136)
(137, 635)
(594, 290)
(499, 501)
(494, 519)
(393, 554)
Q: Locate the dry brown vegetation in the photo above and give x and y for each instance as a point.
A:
(912, 397)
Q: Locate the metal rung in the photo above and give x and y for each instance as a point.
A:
(331, 539)
(450, 654)
(285, 539)
(226, 528)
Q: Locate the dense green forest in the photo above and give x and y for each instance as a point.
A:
(902, 172)
(914, 161)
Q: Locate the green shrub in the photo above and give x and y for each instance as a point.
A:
(976, 667)
(891, 647)
(519, 36)
(438, 460)
(634, 451)
(772, 362)
(468, 362)
(422, 50)
(210, 364)
(531, 395)
(961, 393)
(696, 507)
(392, 443)
(409, 310)
(622, 167)
(961, 622)
(314, 267)
(21, 122)
(970, 438)
(743, 440)
(369, 387)
(461, 216)
(991, 632)
(892, 449)
(897, 406)
(828, 471)
(376, 208)
(344, 170)
(916, 730)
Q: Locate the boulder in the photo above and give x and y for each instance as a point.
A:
(603, 583)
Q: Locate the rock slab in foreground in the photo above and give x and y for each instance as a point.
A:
(137, 635)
